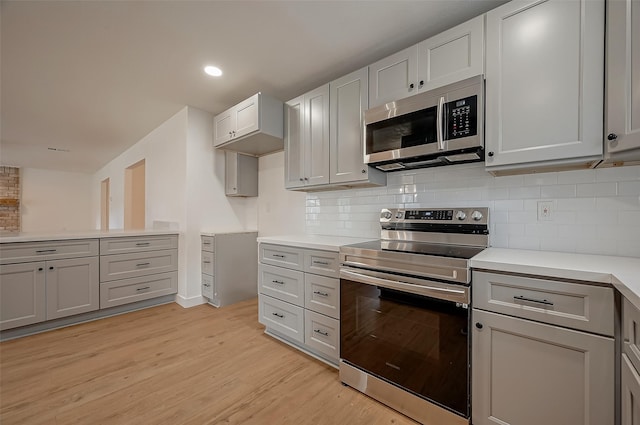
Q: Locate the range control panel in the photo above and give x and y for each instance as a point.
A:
(453, 217)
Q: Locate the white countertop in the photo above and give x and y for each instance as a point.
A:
(86, 234)
(321, 242)
(623, 273)
(213, 233)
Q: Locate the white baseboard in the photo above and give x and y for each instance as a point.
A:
(190, 302)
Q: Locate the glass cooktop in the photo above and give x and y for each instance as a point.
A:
(411, 247)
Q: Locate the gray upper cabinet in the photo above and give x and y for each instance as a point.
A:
(253, 126)
(241, 174)
(622, 131)
(348, 100)
(544, 85)
(453, 55)
(307, 139)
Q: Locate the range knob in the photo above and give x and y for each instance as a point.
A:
(476, 216)
(461, 215)
(386, 214)
(399, 215)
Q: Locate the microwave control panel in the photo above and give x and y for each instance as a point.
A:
(462, 118)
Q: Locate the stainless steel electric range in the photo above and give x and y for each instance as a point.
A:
(405, 311)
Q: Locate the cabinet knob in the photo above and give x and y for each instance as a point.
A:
(306, 178)
(479, 325)
(364, 171)
(40, 269)
(421, 84)
(301, 179)
(51, 268)
(490, 153)
(411, 86)
(612, 136)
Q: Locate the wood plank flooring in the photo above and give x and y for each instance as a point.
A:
(169, 365)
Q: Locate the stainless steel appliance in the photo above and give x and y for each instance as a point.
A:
(405, 311)
(439, 127)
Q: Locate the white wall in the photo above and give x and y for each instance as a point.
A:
(164, 152)
(280, 211)
(55, 200)
(593, 211)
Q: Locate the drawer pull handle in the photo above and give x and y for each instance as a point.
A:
(144, 288)
(324, 263)
(45, 251)
(206, 243)
(278, 255)
(318, 331)
(207, 262)
(281, 316)
(206, 284)
(279, 282)
(142, 244)
(323, 294)
(531, 300)
(142, 264)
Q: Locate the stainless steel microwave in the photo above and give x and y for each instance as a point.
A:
(439, 127)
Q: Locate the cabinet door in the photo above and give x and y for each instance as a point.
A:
(22, 294)
(630, 382)
(293, 146)
(544, 82)
(451, 56)
(72, 287)
(316, 136)
(349, 98)
(223, 127)
(623, 75)
(529, 373)
(394, 77)
(247, 116)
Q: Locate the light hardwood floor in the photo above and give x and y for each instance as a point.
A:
(169, 365)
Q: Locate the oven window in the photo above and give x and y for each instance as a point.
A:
(413, 129)
(415, 342)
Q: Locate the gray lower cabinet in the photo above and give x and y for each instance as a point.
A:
(527, 372)
(137, 268)
(229, 267)
(51, 288)
(22, 294)
(630, 364)
(299, 298)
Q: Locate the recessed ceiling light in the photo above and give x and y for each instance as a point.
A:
(214, 71)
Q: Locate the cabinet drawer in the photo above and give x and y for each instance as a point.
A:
(137, 289)
(284, 284)
(128, 244)
(322, 294)
(283, 256)
(322, 333)
(325, 263)
(208, 286)
(207, 243)
(631, 332)
(122, 266)
(287, 319)
(22, 252)
(207, 262)
(573, 305)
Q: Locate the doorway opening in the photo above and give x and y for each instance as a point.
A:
(104, 204)
(134, 196)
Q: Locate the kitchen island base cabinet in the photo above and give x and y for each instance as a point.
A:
(72, 287)
(630, 382)
(529, 373)
(22, 294)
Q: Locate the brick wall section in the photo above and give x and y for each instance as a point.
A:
(9, 199)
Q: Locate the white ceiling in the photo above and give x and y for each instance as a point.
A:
(95, 77)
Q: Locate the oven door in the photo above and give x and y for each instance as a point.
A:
(412, 333)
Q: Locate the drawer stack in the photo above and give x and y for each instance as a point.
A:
(299, 298)
(137, 268)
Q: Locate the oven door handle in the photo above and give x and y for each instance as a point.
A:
(460, 295)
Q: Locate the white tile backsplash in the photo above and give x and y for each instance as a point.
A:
(594, 211)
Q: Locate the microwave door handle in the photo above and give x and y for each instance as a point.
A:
(440, 119)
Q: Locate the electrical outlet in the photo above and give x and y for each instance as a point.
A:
(545, 209)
